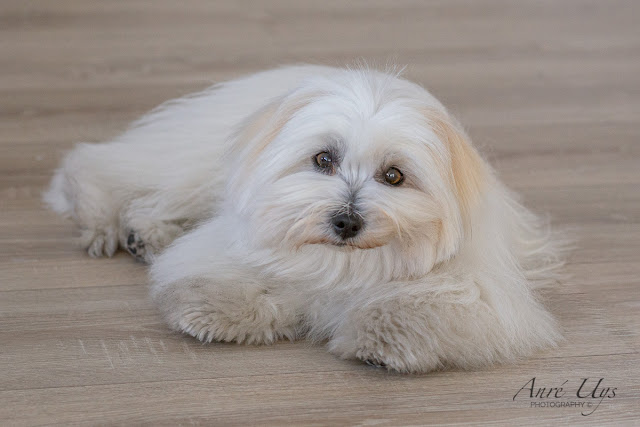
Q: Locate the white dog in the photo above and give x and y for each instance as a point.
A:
(338, 204)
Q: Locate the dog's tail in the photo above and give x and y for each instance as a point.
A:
(57, 197)
(74, 175)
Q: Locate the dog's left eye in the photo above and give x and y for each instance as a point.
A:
(324, 160)
(393, 176)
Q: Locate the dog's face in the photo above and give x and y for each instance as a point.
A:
(356, 163)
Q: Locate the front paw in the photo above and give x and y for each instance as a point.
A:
(229, 314)
(207, 324)
(375, 363)
(391, 356)
(389, 337)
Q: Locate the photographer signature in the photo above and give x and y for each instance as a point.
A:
(590, 393)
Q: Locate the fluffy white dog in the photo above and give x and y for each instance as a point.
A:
(337, 204)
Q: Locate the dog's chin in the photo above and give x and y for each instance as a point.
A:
(344, 246)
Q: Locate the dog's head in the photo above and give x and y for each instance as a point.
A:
(357, 161)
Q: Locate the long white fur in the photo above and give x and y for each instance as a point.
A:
(442, 275)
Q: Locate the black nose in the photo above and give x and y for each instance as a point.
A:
(346, 225)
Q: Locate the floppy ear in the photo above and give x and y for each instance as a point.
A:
(468, 174)
(467, 169)
(257, 131)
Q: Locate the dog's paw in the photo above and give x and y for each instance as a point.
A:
(393, 336)
(392, 356)
(389, 358)
(375, 363)
(210, 325)
(145, 240)
(136, 247)
(99, 242)
(231, 313)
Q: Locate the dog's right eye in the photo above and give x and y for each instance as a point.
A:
(324, 160)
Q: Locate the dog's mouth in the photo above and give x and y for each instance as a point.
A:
(347, 246)
(354, 246)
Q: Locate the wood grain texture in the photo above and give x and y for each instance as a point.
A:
(549, 90)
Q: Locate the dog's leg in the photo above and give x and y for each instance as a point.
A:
(208, 290)
(82, 190)
(428, 330)
(150, 223)
(136, 194)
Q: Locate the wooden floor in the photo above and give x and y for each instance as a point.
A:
(550, 91)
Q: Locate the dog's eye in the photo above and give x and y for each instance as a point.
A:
(393, 176)
(324, 160)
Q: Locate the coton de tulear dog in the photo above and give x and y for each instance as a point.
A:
(338, 204)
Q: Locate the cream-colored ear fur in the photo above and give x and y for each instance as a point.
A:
(257, 132)
(468, 175)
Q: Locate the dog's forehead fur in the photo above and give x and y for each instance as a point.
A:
(368, 119)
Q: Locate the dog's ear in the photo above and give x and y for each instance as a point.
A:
(253, 136)
(467, 174)
(257, 131)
